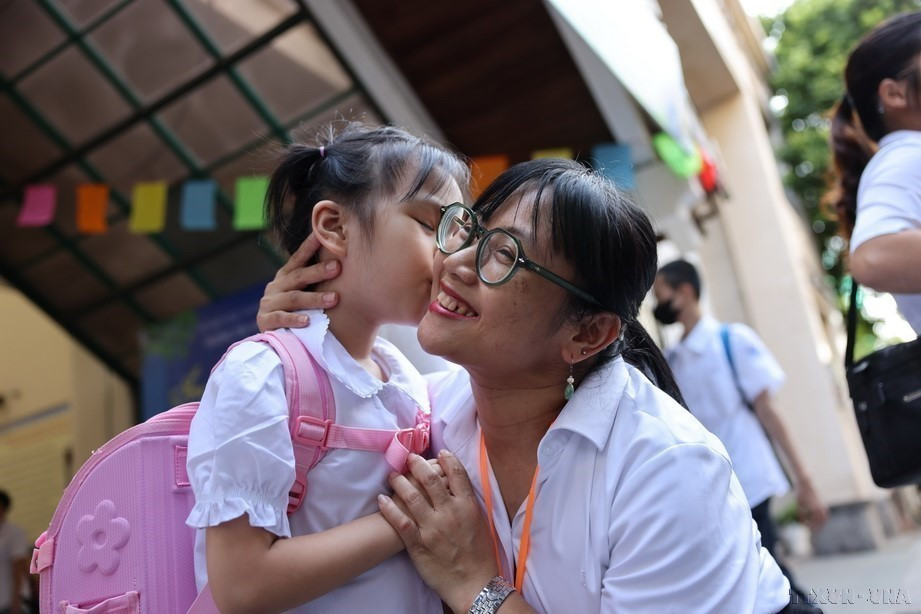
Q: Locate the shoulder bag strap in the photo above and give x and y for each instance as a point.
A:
(724, 336)
(851, 325)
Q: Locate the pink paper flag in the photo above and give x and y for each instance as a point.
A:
(37, 206)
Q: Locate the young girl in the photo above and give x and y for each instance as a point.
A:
(372, 198)
(879, 199)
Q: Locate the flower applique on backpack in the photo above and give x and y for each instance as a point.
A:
(118, 542)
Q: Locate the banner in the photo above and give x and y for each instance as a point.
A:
(179, 354)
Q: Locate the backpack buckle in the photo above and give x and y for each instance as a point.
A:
(297, 493)
(420, 439)
(311, 431)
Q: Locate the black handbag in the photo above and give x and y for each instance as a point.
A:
(885, 387)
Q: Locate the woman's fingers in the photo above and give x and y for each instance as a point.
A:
(458, 480)
(401, 523)
(302, 256)
(431, 481)
(420, 510)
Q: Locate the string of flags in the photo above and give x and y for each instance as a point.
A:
(198, 197)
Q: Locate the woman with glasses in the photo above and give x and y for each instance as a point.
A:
(601, 492)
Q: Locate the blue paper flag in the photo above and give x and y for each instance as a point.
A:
(614, 162)
(197, 208)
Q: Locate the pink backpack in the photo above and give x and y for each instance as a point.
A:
(118, 542)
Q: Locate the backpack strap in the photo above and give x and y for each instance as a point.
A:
(312, 417)
(724, 335)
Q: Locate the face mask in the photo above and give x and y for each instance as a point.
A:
(665, 313)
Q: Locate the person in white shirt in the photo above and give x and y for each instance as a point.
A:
(603, 493)
(728, 378)
(14, 562)
(371, 198)
(876, 142)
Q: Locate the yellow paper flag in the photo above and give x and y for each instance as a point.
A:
(557, 152)
(148, 207)
(92, 202)
(484, 171)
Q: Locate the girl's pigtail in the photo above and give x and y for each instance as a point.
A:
(292, 186)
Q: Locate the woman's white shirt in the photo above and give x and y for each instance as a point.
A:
(241, 460)
(889, 201)
(637, 508)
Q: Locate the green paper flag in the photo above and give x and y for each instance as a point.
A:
(148, 207)
(248, 206)
(681, 162)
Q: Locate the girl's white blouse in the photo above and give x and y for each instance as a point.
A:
(241, 460)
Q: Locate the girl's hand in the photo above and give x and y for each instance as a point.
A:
(443, 529)
(285, 294)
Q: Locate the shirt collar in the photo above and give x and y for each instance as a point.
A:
(592, 409)
(338, 363)
(899, 135)
(700, 335)
(589, 413)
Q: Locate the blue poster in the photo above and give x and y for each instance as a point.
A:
(179, 354)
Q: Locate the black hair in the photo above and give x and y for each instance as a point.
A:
(681, 272)
(609, 241)
(5, 501)
(889, 51)
(351, 162)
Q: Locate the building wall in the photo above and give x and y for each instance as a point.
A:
(60, 404)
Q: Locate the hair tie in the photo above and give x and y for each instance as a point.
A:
(322, 151)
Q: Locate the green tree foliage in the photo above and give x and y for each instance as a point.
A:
(813, 39)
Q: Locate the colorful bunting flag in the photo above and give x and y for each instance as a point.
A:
(38, 206)
(248, 209)
(148, 207)
(556, 152)
(683, 163)
(615, 162)
(92, 204)
(197, 205)
(484, 171)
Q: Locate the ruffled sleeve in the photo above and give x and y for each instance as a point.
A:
(240, 459)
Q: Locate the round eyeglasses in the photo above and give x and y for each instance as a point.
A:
(499, 254)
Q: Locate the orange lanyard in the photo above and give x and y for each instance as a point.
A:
(528, 514)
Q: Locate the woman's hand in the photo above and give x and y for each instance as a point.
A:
(285, 294)
(443, 529)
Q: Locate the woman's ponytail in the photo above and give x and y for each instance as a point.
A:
(640, 351)
(851, 152)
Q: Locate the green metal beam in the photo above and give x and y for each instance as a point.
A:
(52, 230)
(254, 100)
(108, 71)
(50, 55)
(329, 104)
(181, 90)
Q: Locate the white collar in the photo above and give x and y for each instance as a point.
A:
(337, 362)
(700, 335)
(589, 413)
(899, 135)
(592, 409)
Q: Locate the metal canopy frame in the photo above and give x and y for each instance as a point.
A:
(145, 112)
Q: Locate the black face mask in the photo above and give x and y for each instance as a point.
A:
(665, 313)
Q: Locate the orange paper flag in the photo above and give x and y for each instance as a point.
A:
(92, 203)
(484, 171)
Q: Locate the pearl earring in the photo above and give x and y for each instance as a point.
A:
(569, 390)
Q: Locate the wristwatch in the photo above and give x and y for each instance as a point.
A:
(492, 596)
